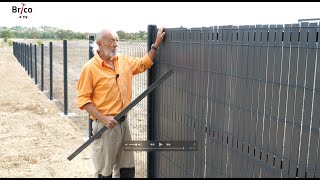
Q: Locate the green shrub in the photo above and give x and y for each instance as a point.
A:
(40, 42)
(10, 42)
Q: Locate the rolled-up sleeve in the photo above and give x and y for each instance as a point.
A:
(85, 87)
(139, 65)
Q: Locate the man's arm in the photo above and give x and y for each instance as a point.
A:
(160, 36)
(107, 121)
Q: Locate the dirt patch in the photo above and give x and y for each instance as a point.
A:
(35, 139)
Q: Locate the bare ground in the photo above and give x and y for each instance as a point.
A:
(35, 140)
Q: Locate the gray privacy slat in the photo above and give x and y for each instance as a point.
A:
(178, 101)
(275, 91)
(264, 124)
(244, 121)
(278, 112)
(313, 163)
(309, 80)
(301, 81)
(195, 63)
(229, 110)
(234, 113)
(228, 100)
(210, 144)
(256, 103)
(298, 103)
(184, 86)
(175, 98)
(249, 102)
(214, 77)
(291, 97)
(186, 134)
(169, 104)
(198, 116)
(165, 105)
(238, 129)
(185, 38)
(316, 123)
(269, 97)
(181, 83)
(219, 108)
(284, 99)
(236, 87)
(175, 101)
(244, 99)
(202, 108)
(206, 39)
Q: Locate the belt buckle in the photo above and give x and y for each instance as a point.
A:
(122, 119)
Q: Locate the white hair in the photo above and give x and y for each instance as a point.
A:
(94, 44)
(98, 37)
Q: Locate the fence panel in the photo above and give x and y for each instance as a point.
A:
(248, 95)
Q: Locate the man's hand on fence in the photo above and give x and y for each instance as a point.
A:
(160, 37)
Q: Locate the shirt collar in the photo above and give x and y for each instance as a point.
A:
(101, 62)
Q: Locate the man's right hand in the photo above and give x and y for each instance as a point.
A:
(108, 121)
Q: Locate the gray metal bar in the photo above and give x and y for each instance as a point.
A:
(122, 113)
(312, 19)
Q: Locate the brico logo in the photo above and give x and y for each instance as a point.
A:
(23, 11)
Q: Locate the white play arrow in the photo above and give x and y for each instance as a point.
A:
(160, 144)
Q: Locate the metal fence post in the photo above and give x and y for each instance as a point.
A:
(23, 56)
(35, 64)
(65, 76)
(31, 72)
(42, 57)
(27, 59)
(19, 53)
(150, 107)
(91, 40)
(50, 65)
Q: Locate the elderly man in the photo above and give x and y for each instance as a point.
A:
(104, 90)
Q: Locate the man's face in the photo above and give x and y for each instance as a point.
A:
(109, 44)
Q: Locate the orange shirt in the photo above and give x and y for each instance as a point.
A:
(98, 83)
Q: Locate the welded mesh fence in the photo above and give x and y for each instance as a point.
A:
(77, 55)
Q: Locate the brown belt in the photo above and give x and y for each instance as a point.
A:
(120, 120)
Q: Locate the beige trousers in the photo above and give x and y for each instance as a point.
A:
(108, 155)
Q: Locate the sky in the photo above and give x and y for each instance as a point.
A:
(134, 16)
